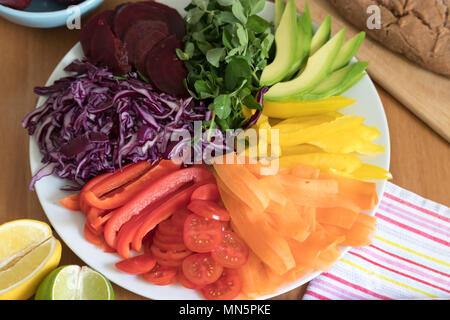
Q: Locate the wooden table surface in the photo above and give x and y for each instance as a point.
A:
(419, 158)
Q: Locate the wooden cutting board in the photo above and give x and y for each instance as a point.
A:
(424, 93)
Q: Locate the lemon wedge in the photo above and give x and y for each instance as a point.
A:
(28, 252)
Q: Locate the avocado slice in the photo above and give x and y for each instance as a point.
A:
(321, 36)
(279, 9)
(305, 31)
(352, 83)
(317, 69)
(286, 37)
(348, 51)
(338, 82)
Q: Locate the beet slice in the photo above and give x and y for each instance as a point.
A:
(163, 68)
(138, 31)
(16, 4)
(175, 20)
(144, 47)
(89, 29)
(107, 50)
(134, 12)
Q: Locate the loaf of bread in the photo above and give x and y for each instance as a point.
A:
(417, 29)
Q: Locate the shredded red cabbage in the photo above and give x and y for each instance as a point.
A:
(92, 122)
(255, 117)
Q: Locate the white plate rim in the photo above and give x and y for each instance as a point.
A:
(85, 252)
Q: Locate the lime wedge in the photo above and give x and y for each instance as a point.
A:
(75, 283)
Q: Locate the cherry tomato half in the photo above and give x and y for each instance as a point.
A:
(137, 265)
(161, 276)
(167, 227)
(169, 238)
(169, 254)
(232, 252)
(202, 234)
(178, 217)
(227, 287)
(186, 283)
(201, 269)
(209, 209)
(206, 192)
(168, 245)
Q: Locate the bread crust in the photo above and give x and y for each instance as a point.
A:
(417, 29)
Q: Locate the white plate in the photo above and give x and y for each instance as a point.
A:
(69, 225)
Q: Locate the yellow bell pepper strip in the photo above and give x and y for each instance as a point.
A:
(294, 134)
(367, 172)
(291, 109)
(300, 149)
(347, 142)
(303, 122)
(344, 163)
(329, 116)
(367, 133)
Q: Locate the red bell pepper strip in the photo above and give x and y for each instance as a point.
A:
(128, 191)
(152, 193)
(92, 216)
(101, 220)
(164, 211)
(207, 192)
(71, 202)
(88, 186)
(121, 177)
(91, 236)
(127, 231)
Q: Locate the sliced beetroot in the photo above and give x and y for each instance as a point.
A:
(134, 12)
(90, 27)
(175, 20)
(138, 31)
(144, 47)
(16, 4)
(163, 68)
(107, 50)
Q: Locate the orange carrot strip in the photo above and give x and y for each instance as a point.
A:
(262, 239)
(340, 217)
(304, 171)
(244, 184)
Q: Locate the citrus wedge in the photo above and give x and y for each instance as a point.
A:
(73, 282)
(20, 236)
(20, 278)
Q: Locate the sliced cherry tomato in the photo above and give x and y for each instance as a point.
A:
(179, 217)
(148, 241)
(232, 252)
(201, 269)
(137, 265)
(168, 239)
(206, 192)
(168, 228)
(227, 287)
(209, 209)
(169, 262)
(161, 276)
(168, 246)
(226, 226)
(169, 254)
(186, 283)
(202, 234)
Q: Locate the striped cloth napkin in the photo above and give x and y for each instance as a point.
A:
(409, 257)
